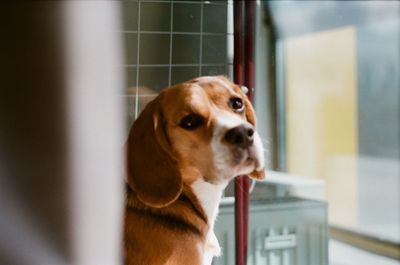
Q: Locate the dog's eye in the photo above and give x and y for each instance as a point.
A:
(236, 104)
(191, 122)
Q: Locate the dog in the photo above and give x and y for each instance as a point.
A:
(182, 151)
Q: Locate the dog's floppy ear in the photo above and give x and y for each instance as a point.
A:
(152, 170)
(251, 118)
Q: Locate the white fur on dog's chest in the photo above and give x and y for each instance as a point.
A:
(209, 196)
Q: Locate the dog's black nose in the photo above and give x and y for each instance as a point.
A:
(241, 136)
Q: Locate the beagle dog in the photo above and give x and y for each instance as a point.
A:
(182, 151)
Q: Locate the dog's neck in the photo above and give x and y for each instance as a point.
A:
(201, 194)
(209, 196)
(186, 208)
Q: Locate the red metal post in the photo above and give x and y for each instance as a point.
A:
(238, 79)
(249, 82)
(243, 48)
(238, 42)
(249, 47)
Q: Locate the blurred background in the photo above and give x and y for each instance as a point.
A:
(76, 74)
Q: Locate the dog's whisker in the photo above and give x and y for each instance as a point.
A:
(266, 141)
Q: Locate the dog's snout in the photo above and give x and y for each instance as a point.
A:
(241, 136)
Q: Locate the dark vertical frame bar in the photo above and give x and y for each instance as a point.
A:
(238, 79)
(281, 106)
(273, 101)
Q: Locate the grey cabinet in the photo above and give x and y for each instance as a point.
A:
(284, 231)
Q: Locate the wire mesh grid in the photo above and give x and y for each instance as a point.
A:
(167, 42)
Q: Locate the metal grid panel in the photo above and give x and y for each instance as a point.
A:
(167, 42)
(289, 231)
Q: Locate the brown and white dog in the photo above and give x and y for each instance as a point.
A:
(182, 151)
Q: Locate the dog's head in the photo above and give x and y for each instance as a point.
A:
(204, 128)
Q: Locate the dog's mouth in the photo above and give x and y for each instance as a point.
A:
(246, 158)
(249, 159)
(240, 156)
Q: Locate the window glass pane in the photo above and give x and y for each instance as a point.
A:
(339, 106)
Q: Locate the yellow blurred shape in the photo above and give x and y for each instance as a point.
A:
(321, 115)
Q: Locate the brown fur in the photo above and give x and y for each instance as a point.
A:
(168, 235)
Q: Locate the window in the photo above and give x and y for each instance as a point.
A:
(337, 66)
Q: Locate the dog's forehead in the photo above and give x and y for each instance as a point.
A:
(184, 95)
(217, 86)
(184, 99)
(199, 96)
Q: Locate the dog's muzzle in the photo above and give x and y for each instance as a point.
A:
(241, 136)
